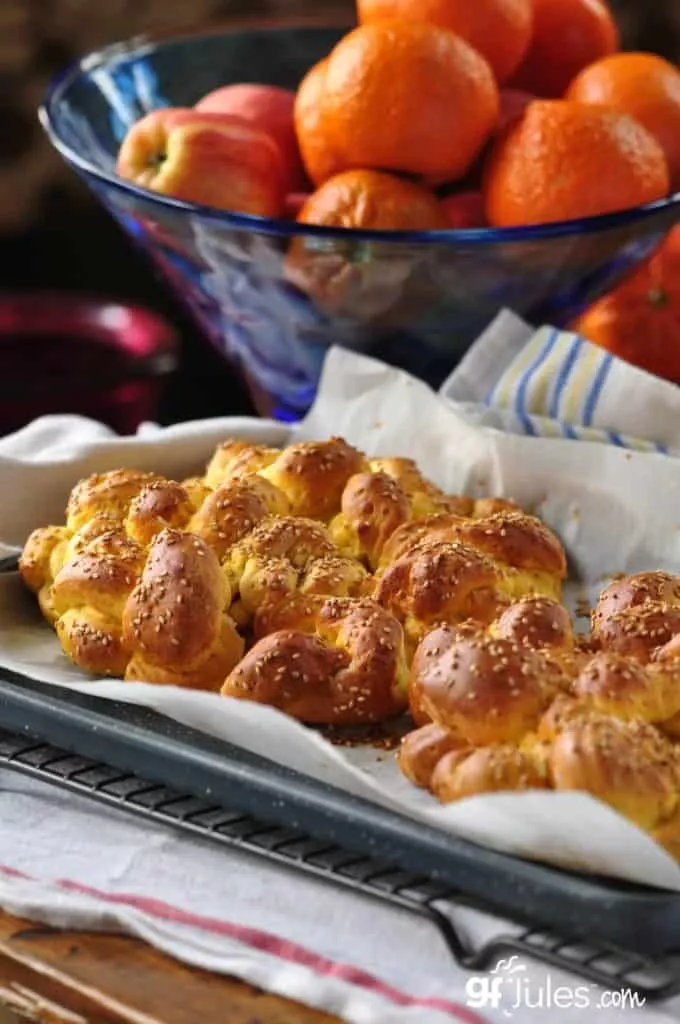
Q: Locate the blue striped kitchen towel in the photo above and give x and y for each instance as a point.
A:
(551, 383)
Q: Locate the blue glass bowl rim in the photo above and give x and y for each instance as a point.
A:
(146, 44)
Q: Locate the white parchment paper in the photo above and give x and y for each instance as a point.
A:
(615, 510)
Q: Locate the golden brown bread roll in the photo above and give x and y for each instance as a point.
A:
(626, 764)
(272, 497)
(37, 561)
(412, 535)
(175, 622)
(352, 671)
(537, 622)
(616, 685)
(314, 474)
(228, 514)
(100, 525)
(286, 558)
(564, 710)
(196, 490)
(504, 768)
(159, 505)
(544, 625)
(297, 540)
(268, 563)
(293, 612)
(421, 751)
(439, 582)
(92, 641)
(88, 597)
(631, 591)
(485, 691)
(235, 460)
(373, 506)
(332, 576)
(425, 497)
(107, 494)
(638, 631)
(531, 556)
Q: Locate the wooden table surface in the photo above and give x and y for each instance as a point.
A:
(53, 977)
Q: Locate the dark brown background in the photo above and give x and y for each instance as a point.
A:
(53, 235)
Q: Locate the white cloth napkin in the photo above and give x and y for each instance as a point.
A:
(67, 862)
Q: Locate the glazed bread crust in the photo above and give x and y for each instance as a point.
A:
(176, 621)
(351, 671)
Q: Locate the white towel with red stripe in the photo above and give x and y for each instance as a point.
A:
(68, 862)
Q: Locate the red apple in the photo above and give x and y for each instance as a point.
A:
(465, 210)
(268, 108)
(513, 104)
(209, 159)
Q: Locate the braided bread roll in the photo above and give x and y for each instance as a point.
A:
(351, 671)
(175, 622)
(89, 595)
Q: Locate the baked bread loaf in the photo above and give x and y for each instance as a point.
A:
(626, 764)
(638, 616)
(421, 751)
(613, 684)
(373, 506)
(505, 768)
(484, 690)
(424, 497)
(601, 723)
(176, 625)
(109, 494)
(313, 475)
(531, 557)
(351, 671)
(88, 597)
(406, 539)
(228, 514)
(440, 582)
(234, 460)
(161, 504)
(283, 570)
(41, 559)
(344, 590)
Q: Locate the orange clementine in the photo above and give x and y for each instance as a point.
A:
(375, 201)
(313, 138)
(562, 160)
(567, 36)
(349, 281)
(499, 29)
(640, 320)
(643, 85)
(407, 97)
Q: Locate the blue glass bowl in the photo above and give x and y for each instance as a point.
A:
(414, 299)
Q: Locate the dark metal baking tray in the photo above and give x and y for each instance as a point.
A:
(144, 744)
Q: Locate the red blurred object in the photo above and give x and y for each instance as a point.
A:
(64, 353)
(465, 210)
(293, 204)
(513, 104)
